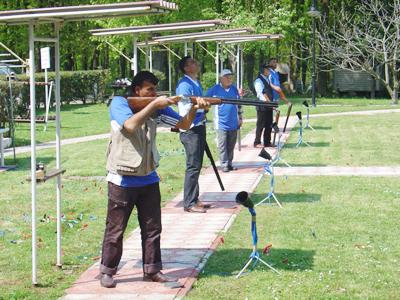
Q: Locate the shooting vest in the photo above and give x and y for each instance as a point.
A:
(267, 90)
(133, 154)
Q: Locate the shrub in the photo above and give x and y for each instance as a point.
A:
(75, 85)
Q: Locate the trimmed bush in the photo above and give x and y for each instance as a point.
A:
(75, 85)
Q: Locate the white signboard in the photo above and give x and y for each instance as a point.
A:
(45, 57)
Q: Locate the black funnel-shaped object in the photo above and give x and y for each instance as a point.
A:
(275, 127)
(305, 103)
(264, 154)
(298, 114)
(243, 199)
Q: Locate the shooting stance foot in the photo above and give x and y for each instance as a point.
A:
(203, 205)
(107, 281)
(269, 145)
(195, 209)
(158, 277)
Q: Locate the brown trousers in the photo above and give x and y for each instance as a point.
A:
(121, 201)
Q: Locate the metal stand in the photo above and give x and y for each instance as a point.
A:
(269, 168)
(308, 120)
(255, 255)
(300, 141)
(278, 157)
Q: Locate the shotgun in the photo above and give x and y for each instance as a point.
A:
(138, 103)
(277, 115)
(287, 116)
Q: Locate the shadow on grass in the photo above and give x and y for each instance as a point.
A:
(228, 262)
(24, 164)
(287, 197)
(319, 128)
(300, 165)
(319, 144)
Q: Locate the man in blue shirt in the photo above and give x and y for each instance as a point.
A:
(132, 158)
(194, 139)
(227, 118)
(275, 83)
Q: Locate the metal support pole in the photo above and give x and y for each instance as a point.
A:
(33, 147)
(241, 68)
(314, 104)
(169, 74)
(46, 91)
(217, 64)
(58, 137)
(151, 59)
(147, 56)
(221, 57)
(135, 57)
(186, 49)
(238, 73)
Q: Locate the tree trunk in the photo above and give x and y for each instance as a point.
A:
(249, 68)
(122, 65)
(304, 69)
(323, 77)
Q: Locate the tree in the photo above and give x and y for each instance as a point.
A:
(365, 38)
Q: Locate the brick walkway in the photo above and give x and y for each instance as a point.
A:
(183, 254)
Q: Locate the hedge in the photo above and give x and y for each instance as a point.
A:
(75, 85)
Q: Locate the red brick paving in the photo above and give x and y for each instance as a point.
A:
(187, 239)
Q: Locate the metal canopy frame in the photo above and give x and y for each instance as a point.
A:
(146, 29)
(85, 12)
(57, 16)
(197, 37)
(158, 27)
(193, 37)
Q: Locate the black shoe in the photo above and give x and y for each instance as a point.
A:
(107, 281)
(269, 145)
(195, 209)
(231, 168)
(200, 204)
(257, 145)
(158, 277)
(225, 169)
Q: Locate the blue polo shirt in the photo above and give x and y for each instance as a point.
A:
(225, 115)
(189, 87)
(119, 113)
(274, 79)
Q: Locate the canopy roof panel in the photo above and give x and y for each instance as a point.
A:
(84, 12)
(193, 37)
(242, 38)
(159, 27)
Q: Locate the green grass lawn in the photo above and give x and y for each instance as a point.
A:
(347, 141)
(76, 120)
(335, 238)
(84, 203)
(329, 105)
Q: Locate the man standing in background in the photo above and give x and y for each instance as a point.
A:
(275, 82)
(227, 118)
(194, 139)
(263, 88)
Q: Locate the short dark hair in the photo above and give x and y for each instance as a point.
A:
(271, 59)
(182, 63)
(143, 76)
(263, 67)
